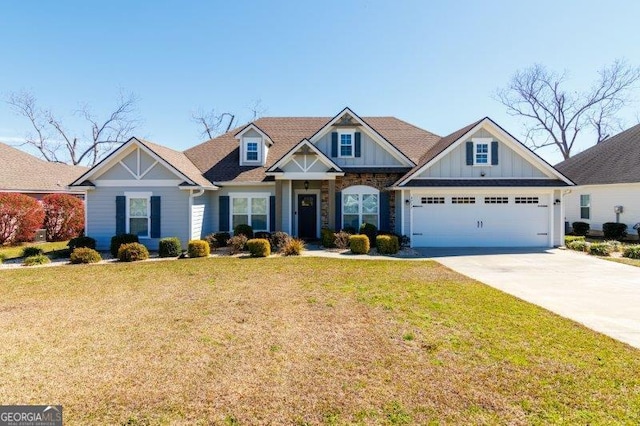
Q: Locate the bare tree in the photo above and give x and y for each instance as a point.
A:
(57, 143)
(215, 123)
(555, 116)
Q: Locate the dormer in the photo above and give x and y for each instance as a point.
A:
(254, 145)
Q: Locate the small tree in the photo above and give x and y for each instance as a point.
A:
(63, 216)
(20, 217)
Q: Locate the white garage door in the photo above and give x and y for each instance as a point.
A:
(480, 221)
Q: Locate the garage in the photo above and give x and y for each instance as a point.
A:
(480, 220)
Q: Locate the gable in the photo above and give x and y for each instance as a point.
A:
(136, 164)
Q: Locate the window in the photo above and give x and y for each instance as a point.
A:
(346, 144)
(360, 204)
(527, 200)
(432, 200)
(250, 210)
(481, 153)
(496, 200)
(138, 214)
(252, 151)
(463, 200)
(585, 206)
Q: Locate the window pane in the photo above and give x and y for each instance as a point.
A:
(370, 203)
(139, 226)
(137, 207)
(585, 200)
(345, 146)
(370, 218)
(584, 212)
(259, 222)
(252, 156)
(258, 206)
(240, 219)
(350, 203)
(351, 220)
(240, 205)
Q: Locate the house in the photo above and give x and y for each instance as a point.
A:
(24, 173)
(478, 186)
(608, 179)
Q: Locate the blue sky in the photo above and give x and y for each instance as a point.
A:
(434, 64)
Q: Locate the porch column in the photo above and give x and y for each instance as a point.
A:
(332, 205)
(278, 206)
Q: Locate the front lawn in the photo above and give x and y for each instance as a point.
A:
(12, 252)
(300, 341)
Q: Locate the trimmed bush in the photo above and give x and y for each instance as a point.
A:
(370, 231)
(84, 255)
(580, 228)
(328, 238)
(20, 217)
(616, 245)
(259, 247)
(118, 240)
(600, 249)
(245, 230)
(294, 247)
(78, 242)
(170, 247)
(63, 216)
(359, 244)
(132, 252)
(614, 231)
(341, 240)
(570, 238)
(387, 244)
(578, 245)
(632, 252)
(39, 259)
(217, 240)
(198, 248)
(32, 251)
(237, 244)
(279, 240)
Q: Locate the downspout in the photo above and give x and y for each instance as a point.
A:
(192, 195)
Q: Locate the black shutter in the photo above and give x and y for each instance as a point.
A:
(334, 144)
(494, 153)
(272, 213)
(358, 144)
(338, 210)
(469, 153)
(223, 223)
(155, 216)
(385, 212)
(121, 214)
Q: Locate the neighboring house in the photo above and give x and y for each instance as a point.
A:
(24, 173)
(476, 187)
(608, 179)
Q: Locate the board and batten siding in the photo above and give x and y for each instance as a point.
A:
(510, 164)
(101, 214)
(372, 154)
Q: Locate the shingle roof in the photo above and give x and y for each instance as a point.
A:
(219, 158)
(20, 171)
(179, 161)
(614, 160)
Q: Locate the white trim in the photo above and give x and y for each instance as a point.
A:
(138, 195)
(249, 196)
(305, 176)
(135, 182)
(297, 192)
(304, 142)
(260, 146)
(482, 141)
(148, 169)
(352, 134)
(257, 129)
(580, 207)
(193, 195)
(359, 190)
(235, 183)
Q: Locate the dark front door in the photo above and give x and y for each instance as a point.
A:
(307, 216)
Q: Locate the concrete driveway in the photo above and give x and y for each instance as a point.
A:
(602, 295)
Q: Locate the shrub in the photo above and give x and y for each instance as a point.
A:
(600, 249)
(570, 238)
(32, 251)
(263, 235)
(580, 228)
(259, 247)
(169, 247)
(84, 255)
(245, 230)
(198, 248)
(359, 244)
(39, 259)
(405, 241)
(387, 244)
(20, 217)
(328, 238)
(632, 252)
(616, 245)
(614, 231)
(78, 242)
(279, 240)
(59, 254)
(237, 243)
(370, 231)
(63, 216)
(118, 240)
(131, 252)
(578, 245)
(294, 247)
(350, 230)
(341, 240)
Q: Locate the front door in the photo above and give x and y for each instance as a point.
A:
(307, 216)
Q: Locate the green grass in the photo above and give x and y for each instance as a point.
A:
(302, 341)
(624, 260)
(13, 252)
